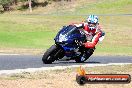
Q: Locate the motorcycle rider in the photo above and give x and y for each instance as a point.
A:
(93, 32)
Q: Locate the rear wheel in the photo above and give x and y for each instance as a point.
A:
(78, 60)
(50, 55)
(84, 56)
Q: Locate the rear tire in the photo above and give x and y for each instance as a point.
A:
(86, 56)
(78, 60)
(48, 56)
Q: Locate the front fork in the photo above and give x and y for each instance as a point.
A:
(59, 53)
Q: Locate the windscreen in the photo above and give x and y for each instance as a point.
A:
(69, 30)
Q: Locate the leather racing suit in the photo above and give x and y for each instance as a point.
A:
(92, 36)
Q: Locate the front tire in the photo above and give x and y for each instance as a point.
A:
(48, 56)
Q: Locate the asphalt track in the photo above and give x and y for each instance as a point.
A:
(11, 62)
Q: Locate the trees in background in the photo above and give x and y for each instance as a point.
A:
(6, 4)
(30, 5)
(4, 1)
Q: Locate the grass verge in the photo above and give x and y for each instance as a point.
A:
(38, 31)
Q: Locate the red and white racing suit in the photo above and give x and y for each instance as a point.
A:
(93, 36)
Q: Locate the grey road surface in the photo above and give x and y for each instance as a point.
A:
(10, 62)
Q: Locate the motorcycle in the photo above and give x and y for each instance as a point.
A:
(68, 43)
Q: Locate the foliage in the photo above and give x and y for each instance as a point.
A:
(4, 1)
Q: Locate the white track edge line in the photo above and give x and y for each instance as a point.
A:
(7, 72)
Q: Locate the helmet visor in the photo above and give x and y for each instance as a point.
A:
(92, 24)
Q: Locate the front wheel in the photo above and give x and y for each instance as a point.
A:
(50, 55)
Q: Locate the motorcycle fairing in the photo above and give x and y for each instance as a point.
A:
(66, 39)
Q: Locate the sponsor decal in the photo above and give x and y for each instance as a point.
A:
(83, 78)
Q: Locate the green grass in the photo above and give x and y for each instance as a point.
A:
(26, 39)
(34, 31)
(106, 6)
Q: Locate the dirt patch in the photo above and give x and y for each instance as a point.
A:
(62, 78)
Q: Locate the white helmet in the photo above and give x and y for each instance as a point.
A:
(92, 22)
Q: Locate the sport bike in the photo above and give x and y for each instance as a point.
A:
(68, 44)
